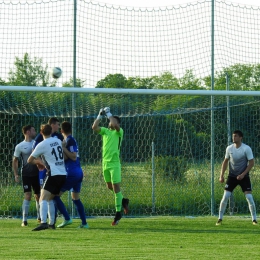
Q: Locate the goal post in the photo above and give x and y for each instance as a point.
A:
(173, 125)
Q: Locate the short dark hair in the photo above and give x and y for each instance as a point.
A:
(46, 129)
(53, 120)
(118, 119)
(26, 128)
(66, 127)
(238, 132)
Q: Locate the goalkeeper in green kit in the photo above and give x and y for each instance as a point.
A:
(112, 139)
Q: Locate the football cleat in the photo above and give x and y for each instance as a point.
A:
(24, 224)
(84, 226)
(65, 223)
(42, 226)
(219, 222)
(39, 220)
(125, 203)
(255, 222)
(51, 226)
(118, 216)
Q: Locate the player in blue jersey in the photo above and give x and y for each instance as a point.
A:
(55, 125)
(29, 172)
(74, 177)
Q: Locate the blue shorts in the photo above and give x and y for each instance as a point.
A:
(73, 183)
(42, 175)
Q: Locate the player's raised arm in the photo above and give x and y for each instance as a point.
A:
(95, 125)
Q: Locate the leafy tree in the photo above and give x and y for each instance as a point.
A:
(114, 81)
(190, 82)
(3, 83)
(166, 81)
(79, 83)
(30, 72)
(241, 77)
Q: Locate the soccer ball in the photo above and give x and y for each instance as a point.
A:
(56, 72)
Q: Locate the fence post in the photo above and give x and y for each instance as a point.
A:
(153, 180)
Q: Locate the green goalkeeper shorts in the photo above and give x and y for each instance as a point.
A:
(112, 173)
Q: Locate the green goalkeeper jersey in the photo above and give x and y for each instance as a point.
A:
(112, 140)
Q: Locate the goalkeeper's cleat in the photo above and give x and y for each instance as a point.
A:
(52, 226)
(125, 203)
(219, 222)
(42, 226)
(86, 226)
(65, 223)
(118, 216)
(255, 222)
(24, 224)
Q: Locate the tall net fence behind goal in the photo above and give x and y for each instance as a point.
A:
(101, 46)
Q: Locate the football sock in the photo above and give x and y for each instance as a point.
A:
(251, 205)
(43, 211)
(223, 203)
(61, 207)
(37, 209)
(55, 210)
(25, 207)
(81, 210)
(118, 201)
(51, 212)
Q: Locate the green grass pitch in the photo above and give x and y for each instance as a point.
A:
(134, 238)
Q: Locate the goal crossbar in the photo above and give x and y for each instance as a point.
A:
(130, 91)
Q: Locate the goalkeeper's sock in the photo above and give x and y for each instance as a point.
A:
(25, 207)
(43, 211)
(81, 211)
(118, 201)
(61, 207)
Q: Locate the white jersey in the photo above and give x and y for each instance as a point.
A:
(23, 150)
(51, 149)
(238, 158)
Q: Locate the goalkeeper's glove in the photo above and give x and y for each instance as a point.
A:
(100, 114)
(107, 111)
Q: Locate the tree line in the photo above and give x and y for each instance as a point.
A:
(32, 72)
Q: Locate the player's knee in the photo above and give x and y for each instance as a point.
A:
(249, 198)
(226, 195)
(27, 196)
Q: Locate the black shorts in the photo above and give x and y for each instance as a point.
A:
(54, 183)
(232, 182)
(31, 182)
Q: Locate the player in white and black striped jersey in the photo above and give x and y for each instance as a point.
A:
(53, 160)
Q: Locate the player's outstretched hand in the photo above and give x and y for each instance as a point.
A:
(107, 111)
(101, 113)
